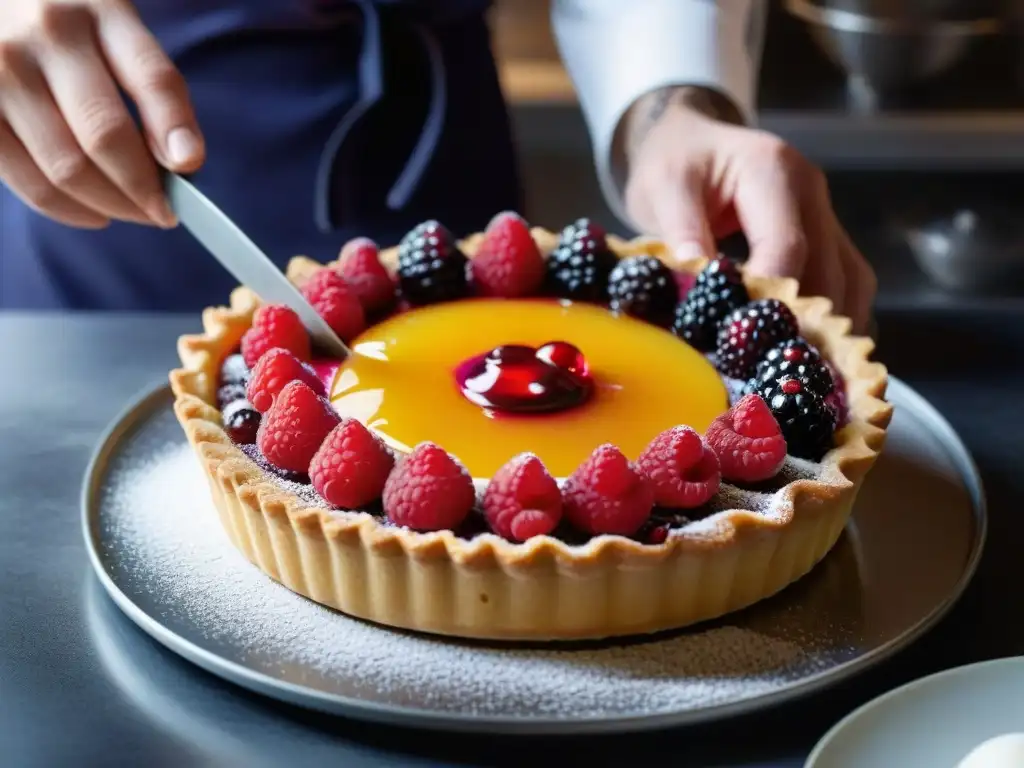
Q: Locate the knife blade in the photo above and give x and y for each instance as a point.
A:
(240, 256)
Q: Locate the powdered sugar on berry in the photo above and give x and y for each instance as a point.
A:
(168, 535)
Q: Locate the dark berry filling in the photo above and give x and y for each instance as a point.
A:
(299, 478)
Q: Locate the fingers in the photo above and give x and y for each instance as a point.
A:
(824, 274)
(62, 111)
(680, 215)
(33, 116)
(84, 92)
(767, 201)
(861, 283)
(155, 85)
(21, 174)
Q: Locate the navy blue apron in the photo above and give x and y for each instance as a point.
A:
(324, 120)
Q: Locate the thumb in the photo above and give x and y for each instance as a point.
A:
(156, 86)
(680, 216)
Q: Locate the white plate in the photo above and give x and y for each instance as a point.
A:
(933, 722)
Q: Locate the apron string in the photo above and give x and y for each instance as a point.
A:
(371, 90)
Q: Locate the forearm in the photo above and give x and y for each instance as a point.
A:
(628, 57)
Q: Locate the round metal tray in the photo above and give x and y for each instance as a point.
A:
(910, 549)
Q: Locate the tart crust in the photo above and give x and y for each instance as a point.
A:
(543, 589)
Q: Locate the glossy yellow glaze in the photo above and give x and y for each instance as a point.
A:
(400, 381)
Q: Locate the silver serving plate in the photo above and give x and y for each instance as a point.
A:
(912, 544)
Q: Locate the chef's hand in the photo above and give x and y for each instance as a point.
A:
(696, 175)
(68, 146)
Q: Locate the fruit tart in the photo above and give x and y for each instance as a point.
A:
(537, 436)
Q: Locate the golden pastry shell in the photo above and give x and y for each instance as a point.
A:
(544, 588)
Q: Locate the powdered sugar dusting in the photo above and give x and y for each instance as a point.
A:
(166, 550)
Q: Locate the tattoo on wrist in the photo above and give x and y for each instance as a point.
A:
(650, 108)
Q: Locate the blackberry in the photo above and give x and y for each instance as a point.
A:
(717, 291)
(642, 286)
(431, 268)
(797, 358)
(807, 422)
(581, 263)
(241, 422)
(234, 370)
(749, 332)
(229, 393)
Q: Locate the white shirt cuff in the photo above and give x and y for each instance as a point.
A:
(618, 50)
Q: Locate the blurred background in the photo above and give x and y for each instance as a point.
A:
(915, 108)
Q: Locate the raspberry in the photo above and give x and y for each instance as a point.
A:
(795, 357)
(749, 332)
(294, 427)
(351, 466)
(642, 286)
(429, 490)
(275, 325)
(522, 500)
(431, 268)
(359, 264)
(807, 422)
(717, 291)
(275, 369)
(508, 262)
(607, 495)
(336, 303)
(579, 266)
(748, 441)
(234, 370)
(681, 468)
(322, 283)
(241, 421)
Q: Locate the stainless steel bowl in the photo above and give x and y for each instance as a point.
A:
(917, 10)
(888, 53)
(971, 251)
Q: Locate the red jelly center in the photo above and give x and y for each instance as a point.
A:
(518, 379)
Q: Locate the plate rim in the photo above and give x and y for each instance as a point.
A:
(884, 698)
(403, 715)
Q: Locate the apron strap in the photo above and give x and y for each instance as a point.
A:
(371, 90)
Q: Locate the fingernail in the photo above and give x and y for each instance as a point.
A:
(183, 146)
(690, 251)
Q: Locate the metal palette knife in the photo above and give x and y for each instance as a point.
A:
(244, 260)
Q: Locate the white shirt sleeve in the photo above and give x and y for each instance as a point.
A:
(618, 50)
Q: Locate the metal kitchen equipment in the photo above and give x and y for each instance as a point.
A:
(884, 47)
(971, 250)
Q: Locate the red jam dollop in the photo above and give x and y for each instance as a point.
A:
(515, 378)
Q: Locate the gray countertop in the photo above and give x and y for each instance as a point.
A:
(80, 685)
